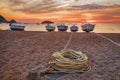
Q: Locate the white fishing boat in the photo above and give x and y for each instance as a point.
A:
(16, 26)
(50, 28)
(88, 27)
(62, 27)
(74, 28)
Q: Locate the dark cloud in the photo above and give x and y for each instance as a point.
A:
(39, 10)
(16, 2)
(90, 7)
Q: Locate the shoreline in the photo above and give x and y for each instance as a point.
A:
(99, 28)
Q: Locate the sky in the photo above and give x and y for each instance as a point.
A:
(61, 10)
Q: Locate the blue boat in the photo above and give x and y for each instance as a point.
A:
(62, 27)
(74, 28)
(88, 27)
(14, 26)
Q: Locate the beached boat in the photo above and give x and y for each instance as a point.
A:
(88, 27)
(62, 27)
(15, 26)
(50, 28)
(74, 28)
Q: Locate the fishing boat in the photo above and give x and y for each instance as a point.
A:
(15, 26)
(62, 27)
(50, 28)
(74, 28)
(88, 27)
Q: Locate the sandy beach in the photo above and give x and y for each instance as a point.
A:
(21, 51)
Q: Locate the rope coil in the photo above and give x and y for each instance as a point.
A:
(68, 61)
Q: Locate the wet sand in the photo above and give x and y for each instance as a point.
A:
(21, 51)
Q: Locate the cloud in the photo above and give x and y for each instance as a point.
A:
(49, 6)
(106, 15)
(41, 6)
(90, 7)
(101, 2)
(17, 2)
(97, 14)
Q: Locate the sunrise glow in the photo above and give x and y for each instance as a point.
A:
(61, 10)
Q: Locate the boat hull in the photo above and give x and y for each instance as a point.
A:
(74, 28)
(62, 28)
(50, 28)
(88, 28)
(17, 27)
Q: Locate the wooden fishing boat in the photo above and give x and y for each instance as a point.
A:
(88, 27)
(15, 26)
(50, 28)
(74, 28)
(62, 27)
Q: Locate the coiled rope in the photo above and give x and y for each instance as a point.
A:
(68, 61)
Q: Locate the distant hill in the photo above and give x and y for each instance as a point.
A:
(3, 20)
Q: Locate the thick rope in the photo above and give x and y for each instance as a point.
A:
(68, 61)
(68, 41)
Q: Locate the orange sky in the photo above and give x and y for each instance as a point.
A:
(61, 10)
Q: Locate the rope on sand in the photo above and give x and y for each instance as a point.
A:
(68, 61)
(68, 41)
(109, 39)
